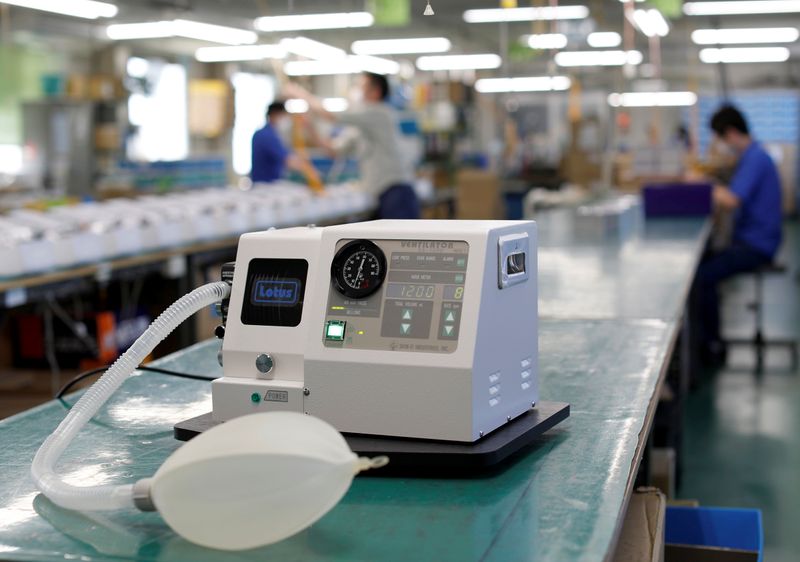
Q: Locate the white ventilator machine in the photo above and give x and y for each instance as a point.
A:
(421, 329)
(400, 329)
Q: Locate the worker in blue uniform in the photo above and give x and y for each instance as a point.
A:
(754, 198)
(270, 156)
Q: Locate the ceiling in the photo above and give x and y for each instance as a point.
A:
(678, 53)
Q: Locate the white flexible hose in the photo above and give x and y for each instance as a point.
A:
(94, 498)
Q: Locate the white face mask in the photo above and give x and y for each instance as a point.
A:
(283, 126)
(725, 149)
(356, 95)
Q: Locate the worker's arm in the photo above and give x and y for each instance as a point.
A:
(748, 175)
(293, 90)
(306, 168)
(725, 199)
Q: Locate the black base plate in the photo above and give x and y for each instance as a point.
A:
(422, 455)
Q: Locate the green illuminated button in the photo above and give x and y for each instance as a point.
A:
(407, 314)
(255, 398)
(334, 330)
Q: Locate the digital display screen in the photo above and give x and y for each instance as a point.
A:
(453, 292)
(410, 291)
(274, 292)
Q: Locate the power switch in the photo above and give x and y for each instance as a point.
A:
(334, 330)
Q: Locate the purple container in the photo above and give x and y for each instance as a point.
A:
(677, 200)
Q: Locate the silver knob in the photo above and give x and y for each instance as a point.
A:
(264, 363)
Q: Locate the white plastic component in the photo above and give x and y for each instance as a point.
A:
(110, 496)
(254, 480)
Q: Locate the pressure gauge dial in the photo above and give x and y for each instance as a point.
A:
(358, 269)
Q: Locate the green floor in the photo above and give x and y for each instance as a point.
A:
(742, 443)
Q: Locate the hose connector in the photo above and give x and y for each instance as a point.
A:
(141, 495)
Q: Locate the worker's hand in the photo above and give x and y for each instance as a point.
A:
(694, 175)
(724, 198)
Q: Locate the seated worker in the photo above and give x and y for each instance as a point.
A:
(385, 172)
(754, 197)
(271, 157)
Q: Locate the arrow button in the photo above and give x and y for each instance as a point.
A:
(404, 328)
(448, 330)
(450, 317)
(407, 314)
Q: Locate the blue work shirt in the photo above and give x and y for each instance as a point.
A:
(757, 185)
(269, 155)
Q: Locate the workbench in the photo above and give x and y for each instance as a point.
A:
(561, 500)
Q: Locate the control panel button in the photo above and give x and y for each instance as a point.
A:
(449, 320)
(407, 319)
(334, 330)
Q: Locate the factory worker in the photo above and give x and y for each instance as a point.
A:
(386, 172)
(270, 156)
(754, 199)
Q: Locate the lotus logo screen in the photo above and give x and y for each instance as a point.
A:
(276, 292)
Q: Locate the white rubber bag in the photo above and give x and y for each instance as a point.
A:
(255, 480)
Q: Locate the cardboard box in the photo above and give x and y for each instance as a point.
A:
(662, 470)
(642, 535)
(477, 195)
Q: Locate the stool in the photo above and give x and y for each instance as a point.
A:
(759, 340)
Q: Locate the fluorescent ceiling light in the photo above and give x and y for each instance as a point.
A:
(604, 39)
(651, 23)
(137, 67)
(181, 28)
(351, 65)
(652, 99)
(377, 65)
(335, 105)
(459, 62)
(546, 41)
(745, 35)
(88, 9)
(296, 105)
(239, 53)
(598, 58)
(751, 54)
(736, 7)
(526, 14)
(340, 20)
(214, 33)
(401, 46)
(523, 84)
(145, 30)
(311, 49)
(11, 159)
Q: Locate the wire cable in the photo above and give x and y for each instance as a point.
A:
(86, 374)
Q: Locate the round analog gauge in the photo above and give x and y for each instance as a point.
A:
(358, 269)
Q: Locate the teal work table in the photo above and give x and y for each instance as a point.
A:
(561, 500)
(646, 274)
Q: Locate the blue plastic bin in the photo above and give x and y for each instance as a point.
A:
(677, 200)
(719, 527)
(514, 205)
